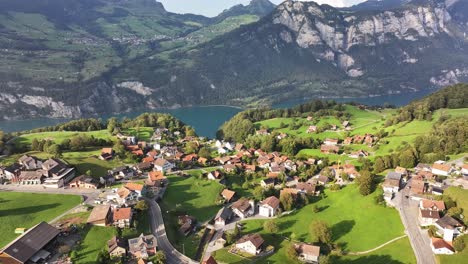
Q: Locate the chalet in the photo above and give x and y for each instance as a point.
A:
(106, 154)
(392, 182)
(190, 158)
(122, 172)
(328, 149)
(309, 118)
(30, 247)
(163, 165)
(228, 195)
(224, 160)
(307, 253)
(312, 129)
(333, 127)
(116, 247)
(330, 142)
(187, 224)
(243, 208)
(223, 216)
(215, 175)
(440, 246)
(442, 169)
(122, 217)
(142, 247)
(282, 136)
(449, 227)
(84, 182)
(250, 243)
(123, 196)
(269, 207)
(428, 217)
(250, 168)
(100, 216)
(426, 175)
(30, 163)
(432, 205)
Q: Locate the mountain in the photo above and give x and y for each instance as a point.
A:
(255, 7)
(378, 5)
(116, 56)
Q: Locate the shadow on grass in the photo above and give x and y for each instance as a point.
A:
(28, 209)
(342, 228)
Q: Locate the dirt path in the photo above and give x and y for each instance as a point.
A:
(379, 247)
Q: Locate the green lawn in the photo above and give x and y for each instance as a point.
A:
(57, 136)
(456, 258)
(28, 209)
(142, 133)
(94, 240)
(460, 196)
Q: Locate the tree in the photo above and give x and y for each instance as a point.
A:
(454, 212)
(379, 165)
(335, 187)
(119, 149)
(366, 182)
(204, 152)
(287, 201)
(270, 226)
(291, 252)
(321, 231)
(89, 172)
(112, 124)
(325, 259)
(141, 205)
(459, 243)
(160, 257)
(55, 150)
(258, 193)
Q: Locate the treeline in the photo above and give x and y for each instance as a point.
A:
(75, 143)
(2, 141)
(447, 137)
(288, 145)
(455, 96)
(242, 125)
(80, 125)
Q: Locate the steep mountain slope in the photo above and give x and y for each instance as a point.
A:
(303, 49)
(57, 57)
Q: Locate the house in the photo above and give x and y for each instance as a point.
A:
(144, 166)
(437, 190)
(417, 187)
(156, 178)
(121, 173)
(228, 195)
(422, 167)
(250, 243)
(30, 247)
(369, 139)
(402, 171)
(425, 204)
(116, 247)
(268, 182)
(330, 142)
(464, 170)
(163, 165)
(187, 224)
(306, 188)
(312, 129)
(123, 196)
(142, 247)
(30, 163)
(243, 208)
(106, 154)
(215, 175)
(31, 177)
(333, 127)
(229, 167)
(262, 132)
(323, 180)
(392, 182)
(440, 246)
(12, 172)
(358, 154)
(222, 217)
(269, 207)
(57, 173)
(442, 169)
(135, 187)
(84, 182)
(428, 217)
(348, 141)
(100, 216)
(448, 227)
(345, 123)
(122, 217)
(307, 253)
(328, 149)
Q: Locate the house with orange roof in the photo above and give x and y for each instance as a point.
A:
(269, 207)
(442, 169)
(441, 247)
(135, 187)
(122, 217)
(228, 195)
(106, 154)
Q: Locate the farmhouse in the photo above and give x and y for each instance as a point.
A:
(250, 243)
(269, 207)
(31, 247)
(100, 215)
(307, 253)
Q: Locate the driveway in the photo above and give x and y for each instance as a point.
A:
(157, 226)
(419, 238)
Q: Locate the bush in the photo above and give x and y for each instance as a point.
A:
(459, 243)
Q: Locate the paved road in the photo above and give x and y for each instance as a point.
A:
(157, 226)
(419, 239)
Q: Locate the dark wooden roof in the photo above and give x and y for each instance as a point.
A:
(24, 247)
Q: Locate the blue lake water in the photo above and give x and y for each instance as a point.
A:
(207, 119)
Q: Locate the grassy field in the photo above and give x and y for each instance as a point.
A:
(458, 258)
(460, 196)
(142, 133)
(94, 240)
(58, 136)
(27, 209)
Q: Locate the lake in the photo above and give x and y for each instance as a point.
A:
(207, 119)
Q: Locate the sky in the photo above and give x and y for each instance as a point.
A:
(214, 7)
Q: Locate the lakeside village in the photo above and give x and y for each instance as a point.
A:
(126, 187)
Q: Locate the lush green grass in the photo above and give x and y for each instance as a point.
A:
(456, 258)
(460, 196)
(57, 136)
(28, 209)
(94, 240)
(397, 252)
(142, 133)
